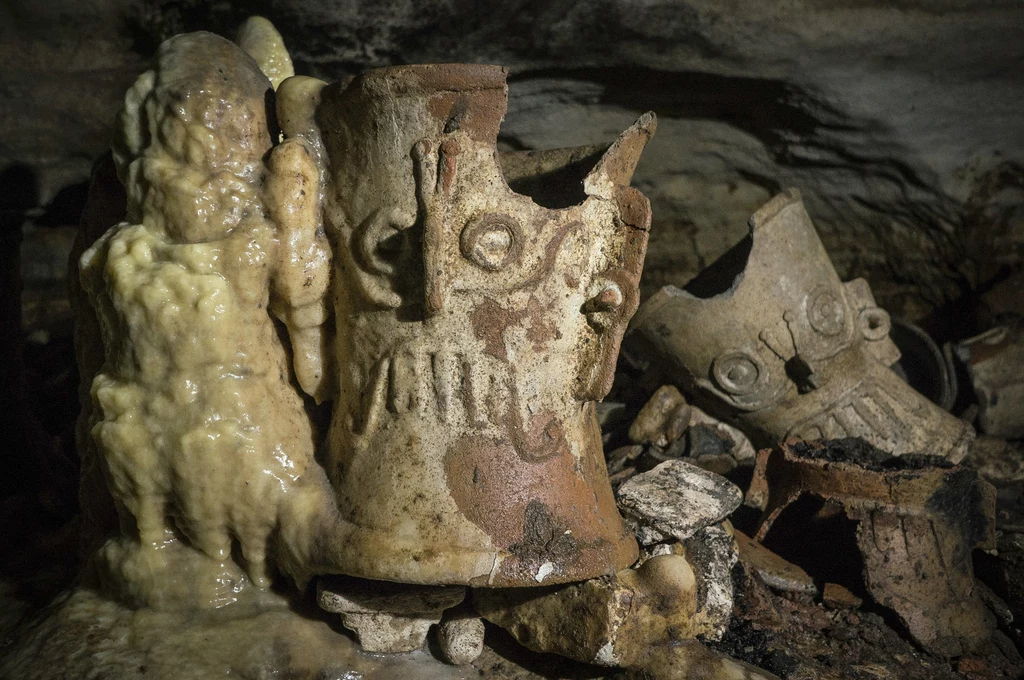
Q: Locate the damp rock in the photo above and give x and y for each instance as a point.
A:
(387, 617)
(677, 498)
(662, 420)
(461, 638)
(608, 621)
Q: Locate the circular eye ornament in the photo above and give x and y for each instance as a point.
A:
(737, 372)
(825, 312)
(492, 241)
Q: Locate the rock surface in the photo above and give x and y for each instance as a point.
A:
(391, 618)
(677, 499)
(611, 621)
(901, 123)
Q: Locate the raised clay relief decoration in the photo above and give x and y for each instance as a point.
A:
(356, 243)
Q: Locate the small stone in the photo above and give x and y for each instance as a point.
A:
(653, 456)
(623, 457)
(461, 639)
(971, 664)
(743, 451)
(389, 633)
(838, 597)
(621, 476)
(387, 618)
(704, 439)
(662, 414)
(608, 621)
(611, 414)
(777, 573)
(344, 595)
(843, 633)
(678, 499)
(721, 464)
(712, 552)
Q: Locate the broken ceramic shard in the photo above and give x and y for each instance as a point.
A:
(917, 520)
(201, 436)
(770, 337)
(995, 365)
(474, 329)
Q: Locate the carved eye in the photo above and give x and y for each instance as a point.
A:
(737, 372)
(492, 241)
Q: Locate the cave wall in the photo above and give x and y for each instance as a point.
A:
(901, 122)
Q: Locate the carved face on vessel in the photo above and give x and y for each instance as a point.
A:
(478, 326)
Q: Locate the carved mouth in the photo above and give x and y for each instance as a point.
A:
(465, 392)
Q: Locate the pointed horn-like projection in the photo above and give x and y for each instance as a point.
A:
(616, 167)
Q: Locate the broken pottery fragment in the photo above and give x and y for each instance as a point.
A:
(923, 365)
(387, 617)
(475, 327)
(771, 338)
(776, 572)
(200, 435)
(608, 621)
(677, 499)
(995, 365)
(917, 520)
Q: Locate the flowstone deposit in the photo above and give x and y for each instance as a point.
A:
(202, 437)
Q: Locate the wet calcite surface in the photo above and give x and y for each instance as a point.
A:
(201, 437)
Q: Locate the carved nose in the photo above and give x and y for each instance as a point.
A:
(603, 309)
(609, 299)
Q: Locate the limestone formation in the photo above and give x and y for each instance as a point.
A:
(200, 434)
